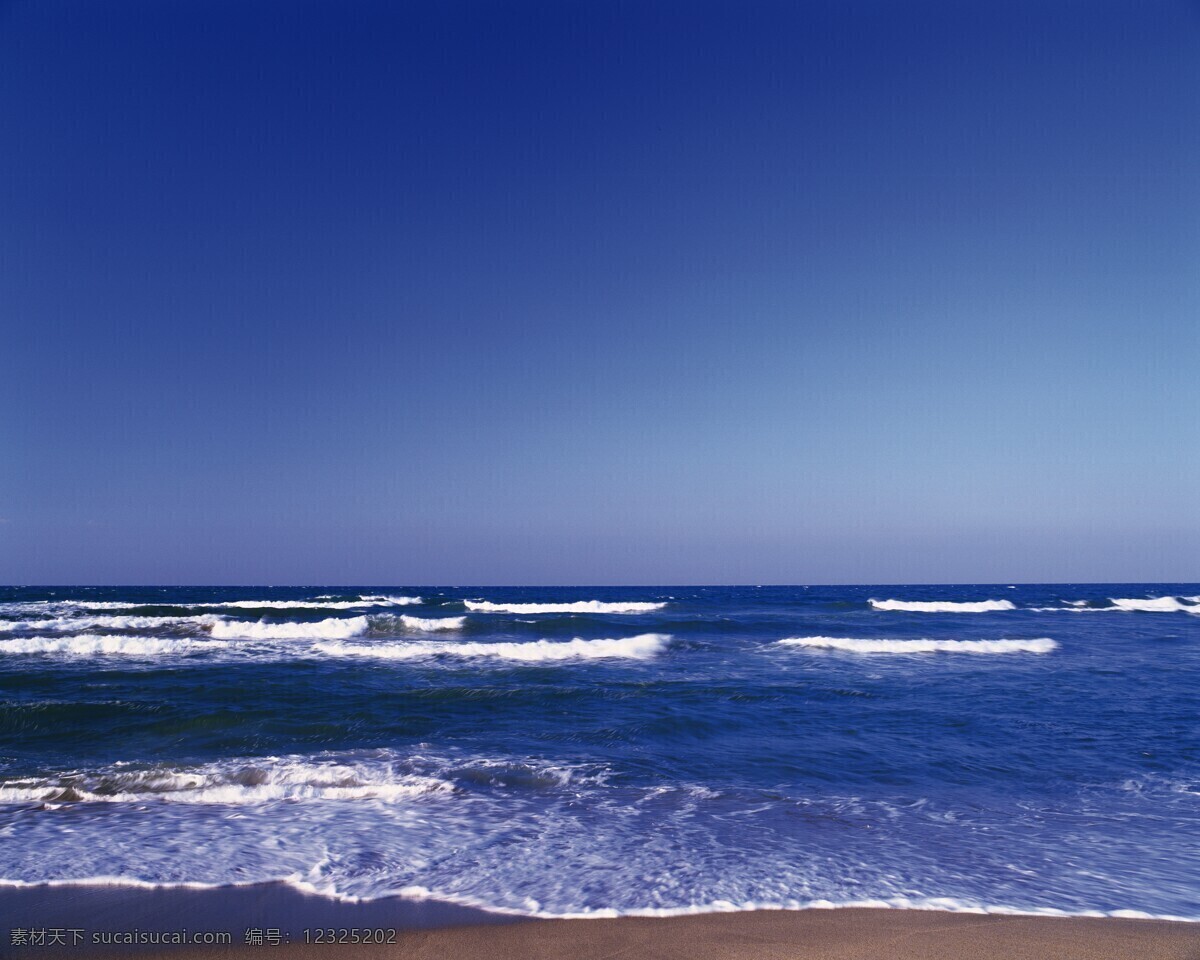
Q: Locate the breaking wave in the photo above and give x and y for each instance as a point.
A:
(641, 647)
(371, 601)
(943, 606)
(579, 606)
(334, 628)
(1040, 645)
(84, 644)
(318, 604)
(107, 623)
(1145, 605)
(1156, 605)
(238, 782)
(436, 623)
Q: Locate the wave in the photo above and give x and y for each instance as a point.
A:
(1136, 605)
(533, 910)
(579, 606)
(1156, 605)
(929, 904)
(369, 601)
(107, 623)
(85, 644)
(236, 782)
(333, 628)
(436, 623)
(381, 774)
(641, 647)
(1040, 645)
(90, 604)
(319, 604)
(943, 606)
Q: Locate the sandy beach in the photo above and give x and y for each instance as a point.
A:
(274, 912)
(850, 934)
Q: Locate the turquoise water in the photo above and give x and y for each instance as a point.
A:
(646, 749)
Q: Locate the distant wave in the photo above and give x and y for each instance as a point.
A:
(435, 623)
(1136, 605)
(943, 606)
(41, 605)
(579, 606)
(641, 647)
(333, 628)
(85, 644)
(371, 601)
(1041, 645)
(232, 782)
(107, 623)
(364, 601)
(1156, 605)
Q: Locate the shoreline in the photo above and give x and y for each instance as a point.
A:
(285, 921)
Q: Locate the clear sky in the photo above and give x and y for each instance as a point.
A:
(599, 292)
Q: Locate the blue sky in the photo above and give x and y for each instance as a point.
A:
(599, 292)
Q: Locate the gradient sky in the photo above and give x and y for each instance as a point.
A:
(599, 292)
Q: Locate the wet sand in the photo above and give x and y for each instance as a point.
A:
(433, 931)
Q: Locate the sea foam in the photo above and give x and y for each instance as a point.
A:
(1155, 605)
(579, 606)
(364, 601)
(943, 606)
(431, 624)
(367, 601)
(107, 623)
(1134, 605)
(93, 644)
(245, 782)
(1040, 645)
(641, 647)
(333, 628)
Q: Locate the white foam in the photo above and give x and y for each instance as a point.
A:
(1155, 605)
(641, 647)
(1040, 645)
(33, 606)
(532, 908)
(579, 606)
(943, 606)
(365, 601)
(102, 604)
(106, 881)
(436, 623)
(85, 644)
(333, 628)
(1135, 605)
(237, 782)
(107, 623)
(370, 601)
(391, 600)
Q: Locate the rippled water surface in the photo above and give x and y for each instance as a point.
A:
(572, 750)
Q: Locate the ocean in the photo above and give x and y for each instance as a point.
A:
(596, 751)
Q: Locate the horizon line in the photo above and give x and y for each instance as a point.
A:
(603, 586)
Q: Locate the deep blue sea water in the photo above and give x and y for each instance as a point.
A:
(558, 751)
